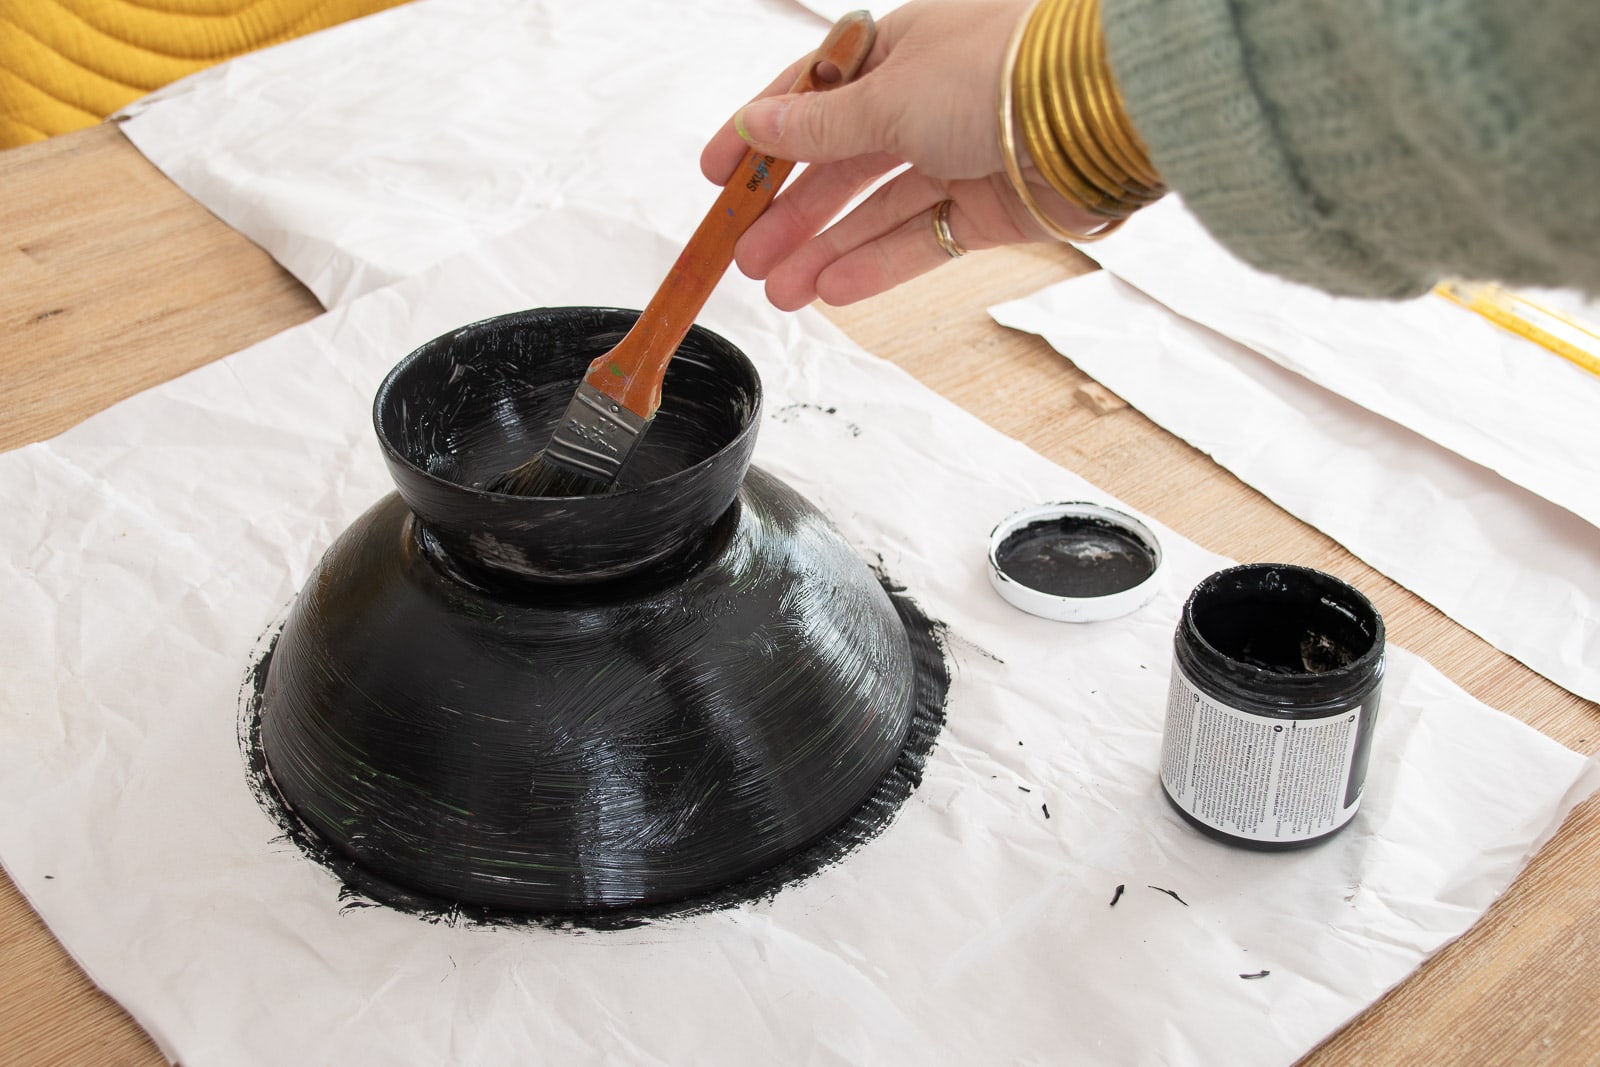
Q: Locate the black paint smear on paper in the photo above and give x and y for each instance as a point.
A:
(1117, 895)
(1169, 893)
(961, 642)
(790, 412)
(1046, 809)
(362, 889)
(1258, 974)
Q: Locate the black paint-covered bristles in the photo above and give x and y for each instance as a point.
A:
(545, 476)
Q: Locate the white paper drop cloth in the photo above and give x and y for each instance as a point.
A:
(836, 9)
(1506, 563)
(368, 151)
(1446, 373)
(138, 581)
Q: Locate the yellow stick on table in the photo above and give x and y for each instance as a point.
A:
(1547, 327)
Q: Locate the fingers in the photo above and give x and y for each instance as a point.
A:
(726, 148)
(906, 252)
(810, 202)
(722, 154)
(887, 239)
(819, 127)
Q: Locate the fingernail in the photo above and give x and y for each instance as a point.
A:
(761, 123)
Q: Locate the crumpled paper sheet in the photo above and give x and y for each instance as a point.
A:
(361, 154)
(1519, 571)
(1447, 373)
(139, 581)
(833, 10)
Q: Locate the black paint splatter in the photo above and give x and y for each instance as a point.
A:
(1117, 895)
(958, 642)
(791, 412)
(1046, 809)
(349, 900)
(1170, 893)
(1258, 974)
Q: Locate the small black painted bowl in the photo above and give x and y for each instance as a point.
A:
(586, 703)
(470, 405)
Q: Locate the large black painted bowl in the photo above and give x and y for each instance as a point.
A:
(584, 703)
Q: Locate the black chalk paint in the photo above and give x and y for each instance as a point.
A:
(1277, 674)
(362, 888)
(1076, 556)
(1074, 561)
(619, 704)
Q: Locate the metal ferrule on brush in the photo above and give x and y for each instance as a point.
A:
(596, 435)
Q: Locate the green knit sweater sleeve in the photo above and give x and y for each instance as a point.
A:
(1371, 147)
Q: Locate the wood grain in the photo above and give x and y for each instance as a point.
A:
(114, 280)
(113, 284)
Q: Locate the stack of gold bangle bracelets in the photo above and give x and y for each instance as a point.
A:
(1058, 92)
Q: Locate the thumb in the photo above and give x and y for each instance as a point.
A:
(811, 127)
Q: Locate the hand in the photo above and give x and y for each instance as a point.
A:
(927, 97)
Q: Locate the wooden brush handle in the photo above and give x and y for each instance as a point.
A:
(631, 373)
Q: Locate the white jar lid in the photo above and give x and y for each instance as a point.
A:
(1074, 561)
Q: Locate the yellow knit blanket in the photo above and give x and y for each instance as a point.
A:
(66, 64)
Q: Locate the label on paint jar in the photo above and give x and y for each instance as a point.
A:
(1258, 777)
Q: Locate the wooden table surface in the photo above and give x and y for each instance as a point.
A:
(112, 280)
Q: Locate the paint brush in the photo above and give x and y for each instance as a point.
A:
(619, 394)
(1552, 329)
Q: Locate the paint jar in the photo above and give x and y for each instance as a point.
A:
(1074, 562)
(1276, 676)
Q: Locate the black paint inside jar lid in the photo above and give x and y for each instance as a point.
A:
(1076, 556)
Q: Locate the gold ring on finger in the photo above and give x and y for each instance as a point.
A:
(941, 230)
